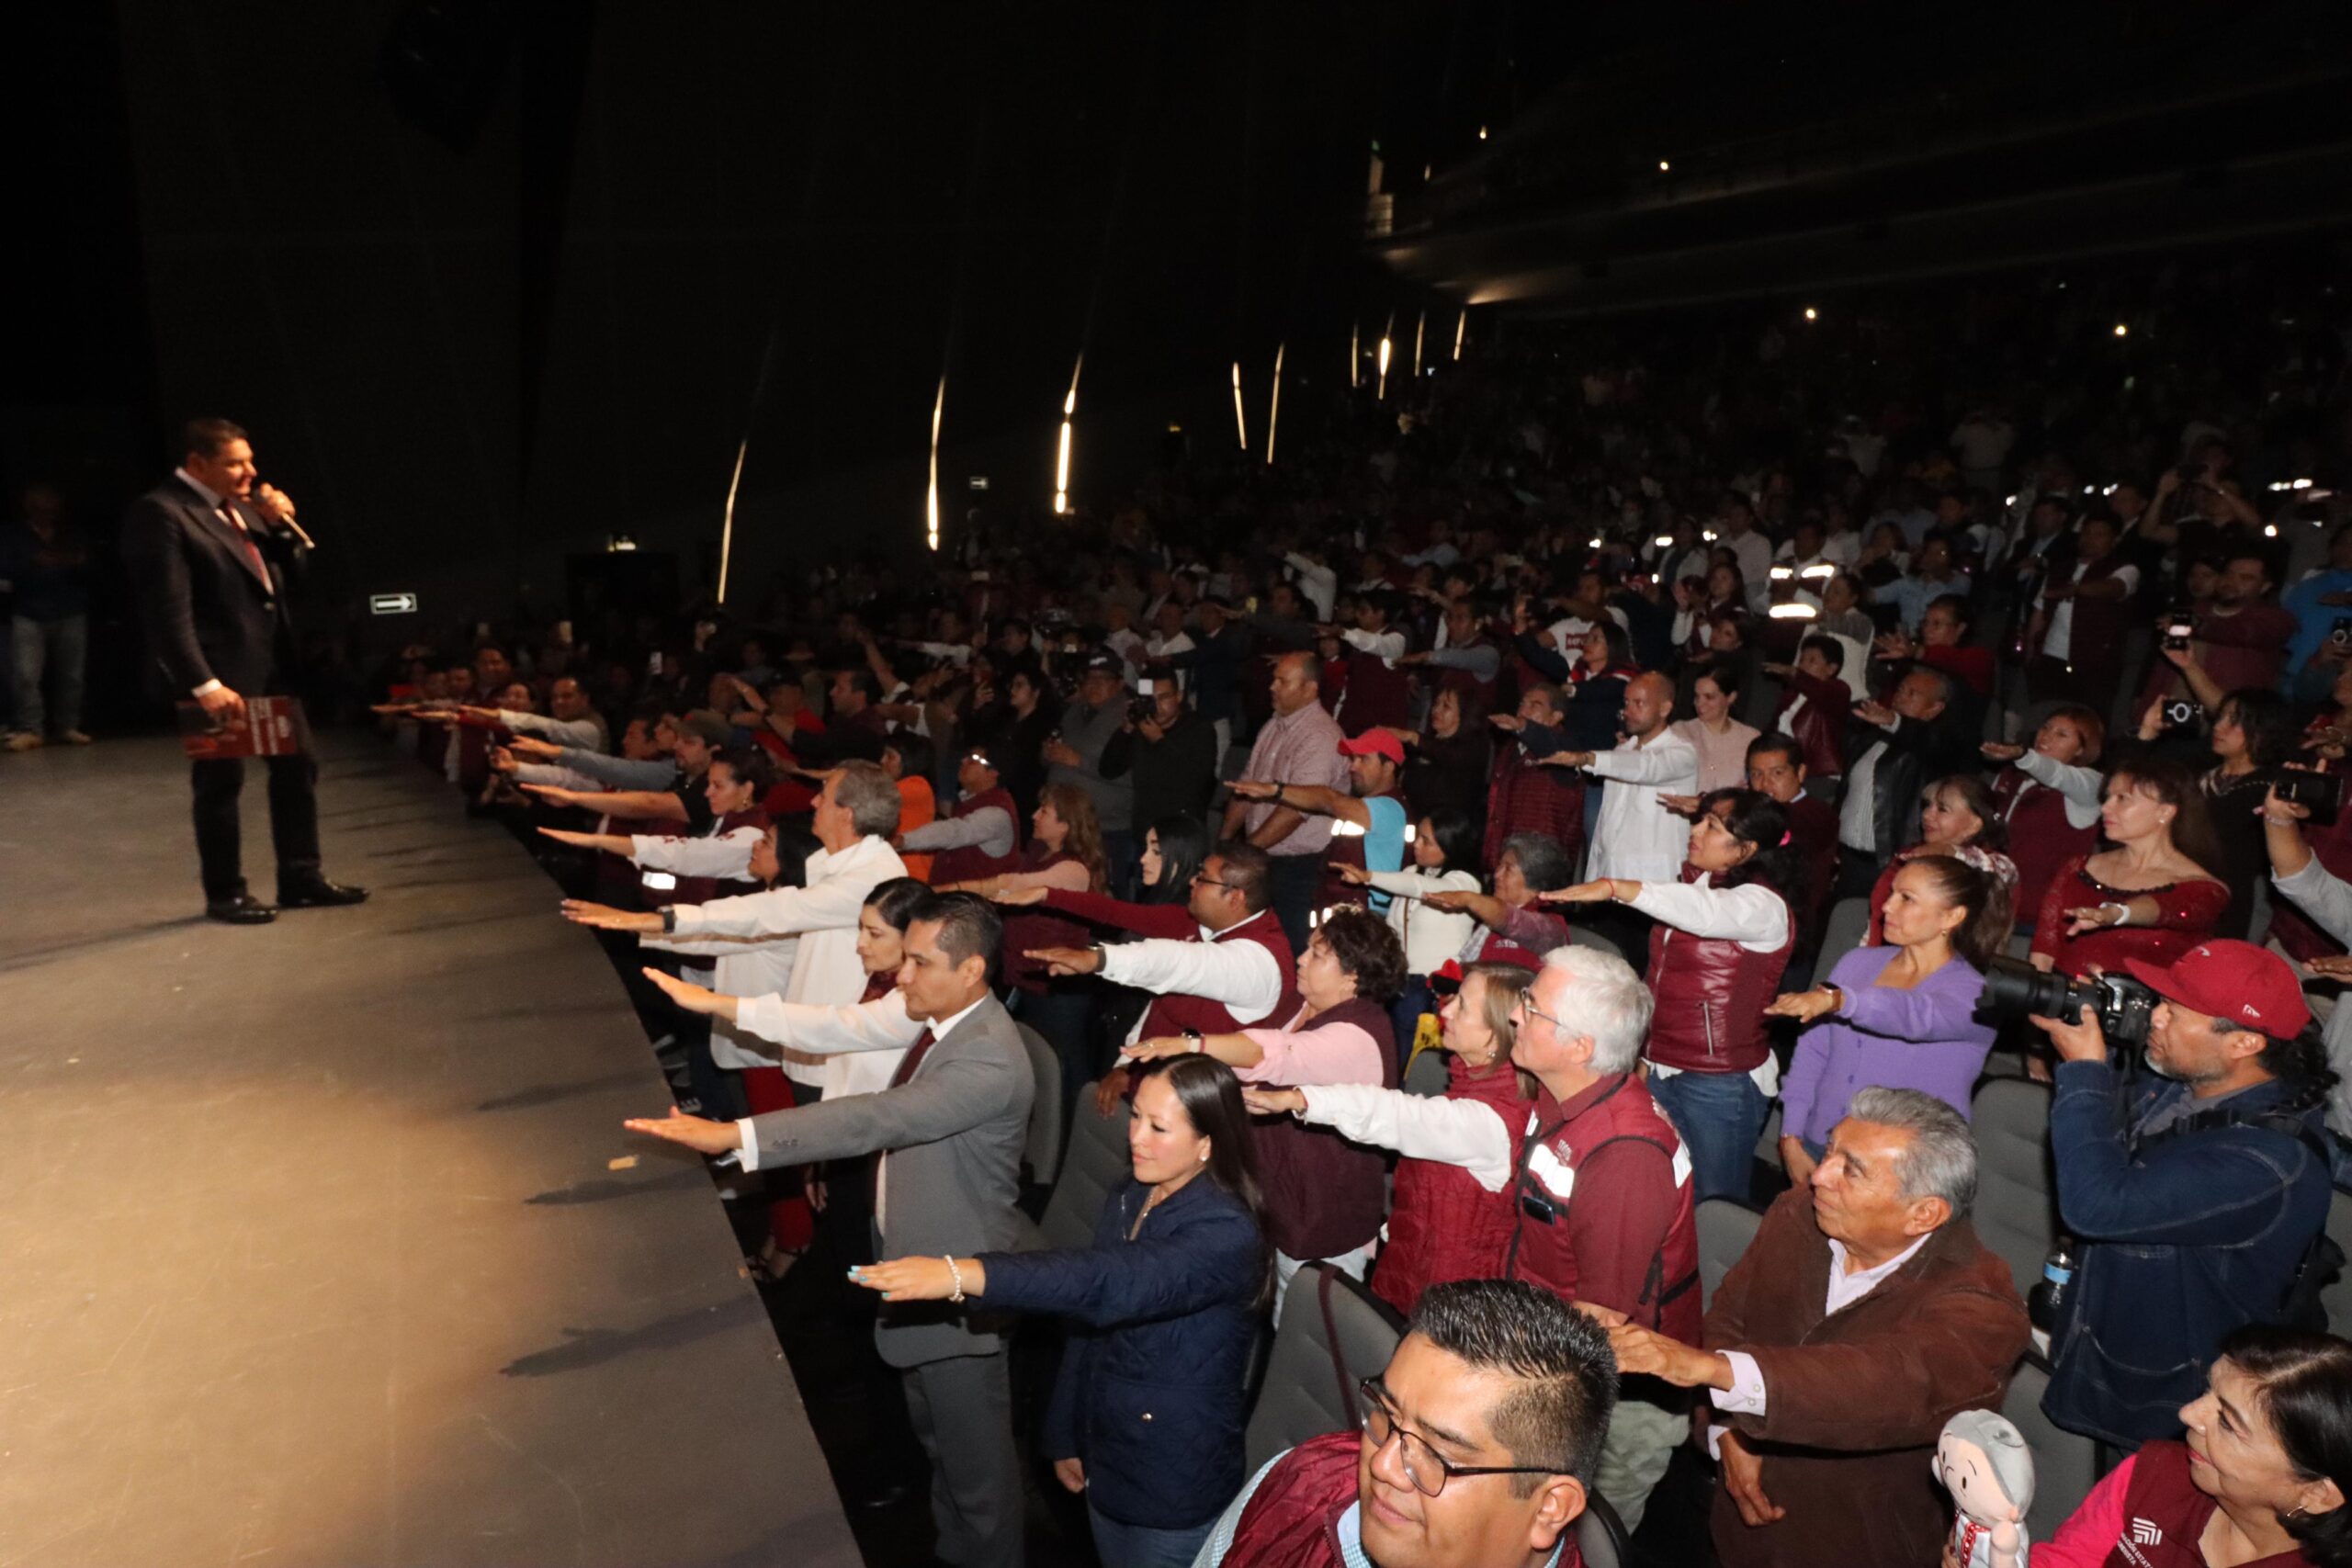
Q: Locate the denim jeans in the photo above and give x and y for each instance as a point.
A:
(1720, 1116)
(62, 648)
(1120, 1545)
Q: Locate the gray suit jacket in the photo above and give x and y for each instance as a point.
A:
(954, 1132)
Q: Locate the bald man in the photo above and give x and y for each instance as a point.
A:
(1637, 838)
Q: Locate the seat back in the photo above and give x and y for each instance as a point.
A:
(2065, 1466)
(1042, 1152)
(1426, 1072)
(1312, 1372)
(2016, 1205)
(2337, 1296)
(1601, 1535)
(1095, 1163)
(1583, 936)
(1767, 1142)
(1848, 924)
(1725, 1226)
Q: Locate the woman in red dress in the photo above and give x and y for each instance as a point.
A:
(2153, 896)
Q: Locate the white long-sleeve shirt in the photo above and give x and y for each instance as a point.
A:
(1464, 1133)
(583, 734)
(724, 855)
(1387, 646)
(827, 969)
(1431, 936)
(1637, 838)
(990, 828)
(744, 966)
(1753, 917)
(881, 1024)
(1320, 583)
(2081, 787)
(1241, 975)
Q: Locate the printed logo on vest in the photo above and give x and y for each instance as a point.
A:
(2144, 1533)
(1548, 1169)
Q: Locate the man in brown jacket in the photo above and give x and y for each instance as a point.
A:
(1862, 1316)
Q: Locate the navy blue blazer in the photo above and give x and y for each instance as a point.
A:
(1150, 1391)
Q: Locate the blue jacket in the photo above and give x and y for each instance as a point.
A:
(2187, 1235)
(1150, 1391)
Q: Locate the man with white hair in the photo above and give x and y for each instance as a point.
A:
(1599, 1177)
(1863, 1316)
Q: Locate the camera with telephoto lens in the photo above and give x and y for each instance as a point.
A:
(2014, 989)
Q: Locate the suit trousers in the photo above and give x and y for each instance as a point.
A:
(293, 820)
(962, 1410)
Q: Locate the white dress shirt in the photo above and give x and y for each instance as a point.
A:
(1637, 838)
(1241, 975)
(826, 970)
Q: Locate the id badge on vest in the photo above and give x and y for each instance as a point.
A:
(1549, 1182)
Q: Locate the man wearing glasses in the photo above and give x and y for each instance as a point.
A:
(1476, 1444)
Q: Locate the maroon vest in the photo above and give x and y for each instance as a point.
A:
(1542, 1252)
(1378, 692)
(2040, 839)
(1712, 994)
(2164, 1514)
(971, 863)
(1292, 1519)
(1525, 799)
(1032, 929)
(1324, 1194)
(1442, 1226)
(2096, 638)
(703, 889)
(1176, 1011)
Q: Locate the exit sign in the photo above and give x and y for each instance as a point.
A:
(392, 603)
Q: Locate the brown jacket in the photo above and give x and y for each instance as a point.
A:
(1854, 1403)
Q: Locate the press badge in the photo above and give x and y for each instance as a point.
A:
(1556, 1175)
(658, 880)
(1682, 1165)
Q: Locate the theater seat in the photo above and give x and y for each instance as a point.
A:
(2016, 1205)
(2065, 1466)
(1312, 1372)
(1601, 1535)
(2338, 1296)
(1582, 936)
(1426, 1074)
(1043, 1153)
(1725, 1227)
(1095, 1162)
(1848, 924)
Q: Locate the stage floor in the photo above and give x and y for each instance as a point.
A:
(311, 1248)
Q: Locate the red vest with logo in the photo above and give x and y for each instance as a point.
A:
(1525, 799)
(971, 863)
(1712, 994)
(2165, 1515)
(1541, 1251)
(2040, 839)
(1324, 1194)
(1378, 692)
(1177, 1011)
(703, 889)
(1292, 1520)
(1441, 1224)
(2095, 640)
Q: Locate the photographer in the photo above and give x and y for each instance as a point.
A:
(2196, 1194)
(1169, 751)
(2327, 899)
(2252, 734)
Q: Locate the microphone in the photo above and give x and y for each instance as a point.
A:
(287, 523)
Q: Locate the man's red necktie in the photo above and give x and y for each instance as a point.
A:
(913, 1058)
(253, 551)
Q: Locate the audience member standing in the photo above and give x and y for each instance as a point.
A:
(1300, 744)
(45, 564)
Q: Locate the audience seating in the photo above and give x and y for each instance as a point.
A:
(2338, 1296)
(1095, 1162)
(2017, 1206)
(2065, 1466)
(1426, 1072)
(1601, 1541)
(1725, 1228)
(1311, 1375)
(1042, 1154)
(1848, 924)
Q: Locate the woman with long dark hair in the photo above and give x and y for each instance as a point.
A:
(2258, 1479)
(1445, 859)
(2048, 800)
(1174, 848)
(2154, 894)
(1718, 944)
(1446, 764)
(1146, 1413)
(1957, 818)
(1898, 1016)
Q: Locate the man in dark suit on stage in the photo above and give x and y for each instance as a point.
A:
(207, 551)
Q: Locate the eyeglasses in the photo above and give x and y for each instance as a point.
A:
(1427, 1468)
(1527, 1005)
(1212, 881)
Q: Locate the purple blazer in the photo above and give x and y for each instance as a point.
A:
(1925, 1038)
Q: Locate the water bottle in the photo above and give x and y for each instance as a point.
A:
(2046, 1303)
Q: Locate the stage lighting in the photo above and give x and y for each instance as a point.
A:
(1811, 314)
(1418, 327)
(1382, 392)
(1793, 611)
(1663, 165)
(1061, 459)
(931, 496)
(1460, 325)
(1482, 133)
(2120, 330)
(1355, 355)
(1241, 430)
(1274, 404)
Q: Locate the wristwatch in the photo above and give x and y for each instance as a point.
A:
(669, 919)
(1194, 1036)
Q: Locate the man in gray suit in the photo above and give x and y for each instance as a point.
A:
(950, 1130)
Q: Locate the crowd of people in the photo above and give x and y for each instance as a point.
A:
(1668, 752)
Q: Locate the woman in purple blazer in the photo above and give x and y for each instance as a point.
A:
(1897, 1016)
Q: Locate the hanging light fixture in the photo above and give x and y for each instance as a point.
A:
(1460, 325)
(1383, 368)
(1355, 355)
(1274, 407)
(1240, 428)
(1419, 326)
(1061, 458)
(931, 499)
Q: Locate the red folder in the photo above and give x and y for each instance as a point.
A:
(270, 726)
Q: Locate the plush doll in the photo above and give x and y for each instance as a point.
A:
(1982, 1461)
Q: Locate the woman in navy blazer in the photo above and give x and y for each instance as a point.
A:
(1146, 1413)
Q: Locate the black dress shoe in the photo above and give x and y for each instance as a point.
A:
(245, 909)
(319, 894)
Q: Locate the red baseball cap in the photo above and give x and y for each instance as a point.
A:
(1375, 743)
(2245, 984)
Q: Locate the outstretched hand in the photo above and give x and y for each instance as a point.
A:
(694, 1132)
(604, 916)
(686, 993)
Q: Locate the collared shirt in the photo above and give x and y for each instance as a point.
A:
(1747, 1394)
(1348, 1527)
(1637, 837)
(1301, 748)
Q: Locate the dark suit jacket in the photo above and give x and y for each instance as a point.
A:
(209, 614)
